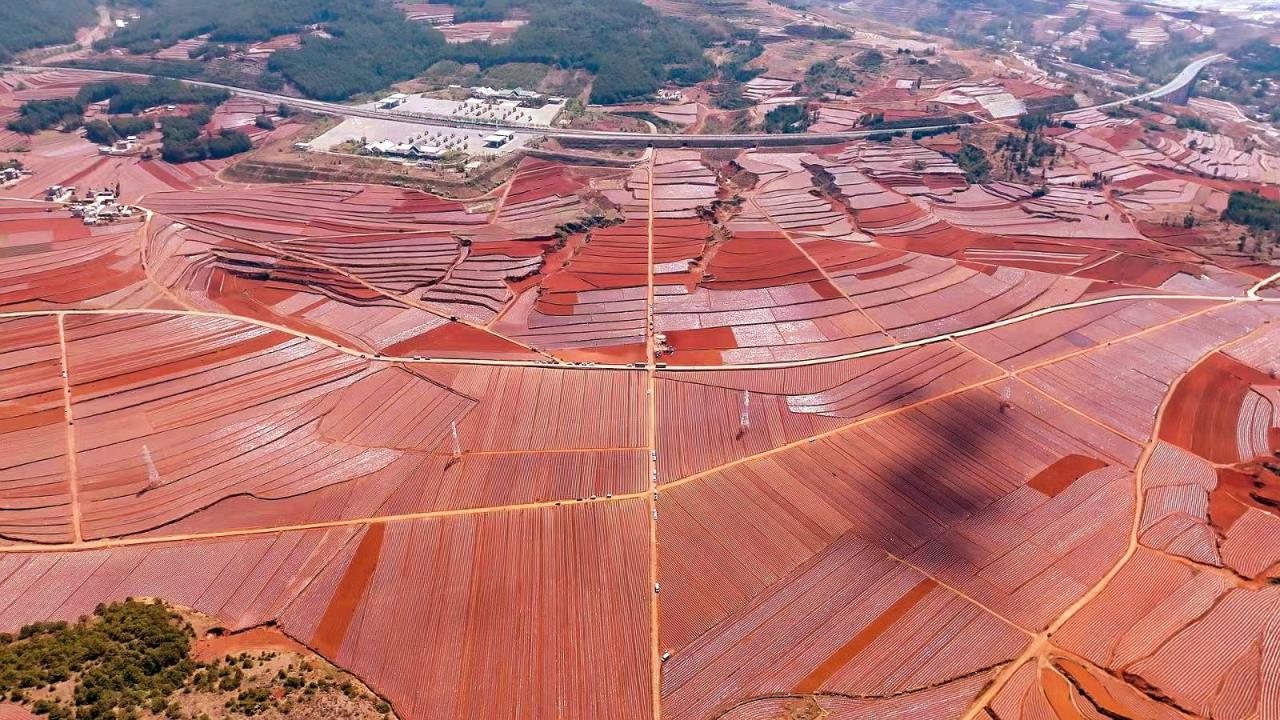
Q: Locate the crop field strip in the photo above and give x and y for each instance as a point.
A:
(984, 381)
(1005, 374)
(438, 517)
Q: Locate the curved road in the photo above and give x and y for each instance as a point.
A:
(1187, 74)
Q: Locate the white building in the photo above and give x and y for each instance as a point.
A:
(393, 100)
(498, 139)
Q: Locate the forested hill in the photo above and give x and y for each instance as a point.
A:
(26, 24)
(630, 47)
(355, 46)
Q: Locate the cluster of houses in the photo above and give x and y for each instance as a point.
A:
(519, 95)
(12, 174)
(420, 150)
(99, 207)
(432, 148)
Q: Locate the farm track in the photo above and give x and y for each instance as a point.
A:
(649, 492)
(651, 369)
(1039, 643)
(1043, 641)
(931, 340)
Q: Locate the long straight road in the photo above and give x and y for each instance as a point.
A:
(1187, 75)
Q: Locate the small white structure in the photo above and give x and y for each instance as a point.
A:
(428, 152)
(120, 147)
(498, 139)
(58, 193)
(393, 100)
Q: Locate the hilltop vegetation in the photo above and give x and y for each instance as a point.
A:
(165, 22)
(958, 19)
(35, 23)
(369, 49)
(134, 659)
(631, 48)
(357, 46)
(126, 657)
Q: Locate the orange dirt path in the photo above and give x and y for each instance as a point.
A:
(332, 629)
(859, 642)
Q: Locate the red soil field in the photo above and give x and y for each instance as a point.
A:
(743, 435)
(253, 640)
(1203, 414)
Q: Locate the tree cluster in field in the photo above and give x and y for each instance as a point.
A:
(631, 48)
(973, 161)
(792, 118)
(1258, 55)
(993, 19)
(40, 115)
(127, 97)
(185, 142)
(37, 23)
(122, 97)
(370, 46)
(127, 656)
(1191, 122)
(1250, 81)
(1115, 49)
(360, 46)
(165, 22)
(1026, 151)
(481, 10)
(828, 76)
(1259, 214)
(810, 31)
(105, 132)
(931, 132)
(876, 120)
(727, 91)
(210, 51)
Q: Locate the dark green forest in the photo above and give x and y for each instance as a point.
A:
(1254, 212)
(126, 657)
(794, 118)
(165, 22)
(25, 24)
(630, 48)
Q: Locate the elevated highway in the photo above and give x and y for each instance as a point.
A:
(600, 137)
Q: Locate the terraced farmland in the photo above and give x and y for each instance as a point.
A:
(817, 433)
